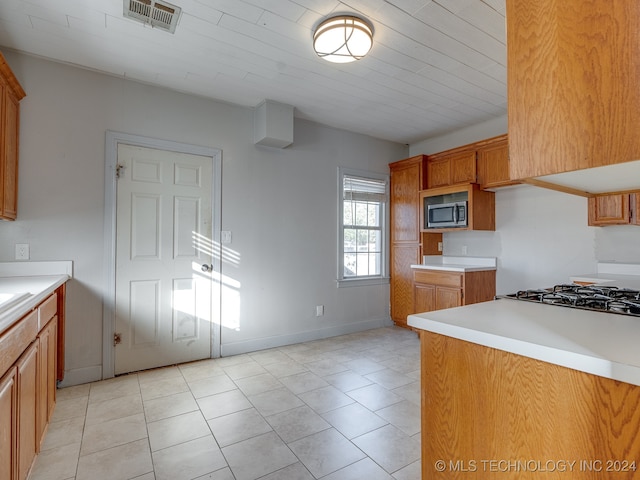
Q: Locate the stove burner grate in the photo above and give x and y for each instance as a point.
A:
(601, 298)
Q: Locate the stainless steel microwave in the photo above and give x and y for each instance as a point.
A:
(446, 215)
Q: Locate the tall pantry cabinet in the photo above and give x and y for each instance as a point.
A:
(408, 244)
(10, 95)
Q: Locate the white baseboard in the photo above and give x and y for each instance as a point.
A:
(254, 345)
(78, 376)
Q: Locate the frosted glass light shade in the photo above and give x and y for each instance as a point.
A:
(342, 39)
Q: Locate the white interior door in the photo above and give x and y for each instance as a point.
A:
(163, 299)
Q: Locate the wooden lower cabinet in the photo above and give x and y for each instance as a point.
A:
(47, 344)
(8, 422)
(29, 369)
(27, 381)
(490, 414)
(403, 256)
(437, 290)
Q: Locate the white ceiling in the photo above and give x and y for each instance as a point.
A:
(436, 66)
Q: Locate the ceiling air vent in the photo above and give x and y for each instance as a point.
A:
(160, 15)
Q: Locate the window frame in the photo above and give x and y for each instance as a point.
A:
(383, 277)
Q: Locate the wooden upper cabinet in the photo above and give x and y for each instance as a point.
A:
(451, 168)
(10, 95)
(493, 163)
(573, 78)
(614, 209)
(406, 183)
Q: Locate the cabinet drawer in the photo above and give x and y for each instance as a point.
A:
(47, 310)
(447, 279)
(15, 340)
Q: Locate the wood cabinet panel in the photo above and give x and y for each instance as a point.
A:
(493, 164)
(448, 297)
(451, 168)
(572, 82)
(438, 173)
(408, 243)
(29, 365)
(436, 290)
(481, 206)
(8, 409)
(402, 257)
(424, 298)
(47, 310)
(434, 277)
(405, 185)
(15, 340)
(47, 353)
(482, 403)
(27, 409)
(609, 210)
(463, 168)
(10, 147)
(10, 95)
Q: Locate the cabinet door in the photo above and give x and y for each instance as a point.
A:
(406, 183)
(448, 297)
(10, 171)
(27, 412)
(463, 167)
(8, 425)
(438, 172)
(493, 165)
(46, 375)
(609, 210)
(424, 297)
(402, 257)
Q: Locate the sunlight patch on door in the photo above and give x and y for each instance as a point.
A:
(185, 309)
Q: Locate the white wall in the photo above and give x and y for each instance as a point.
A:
(281, 206)
(541, 236)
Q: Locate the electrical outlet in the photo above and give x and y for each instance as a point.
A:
(22, 251)
(319, 310)
(439, 246)
(464, 250)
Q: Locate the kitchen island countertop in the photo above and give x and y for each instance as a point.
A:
(604, 344)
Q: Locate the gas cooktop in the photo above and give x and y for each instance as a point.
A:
(601, 298)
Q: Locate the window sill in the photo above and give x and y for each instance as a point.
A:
(362, 282)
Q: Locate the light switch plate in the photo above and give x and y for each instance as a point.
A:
(225, 236)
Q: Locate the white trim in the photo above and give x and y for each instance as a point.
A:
(111, 157)
(255, 345)
(78, 376)
(362, 281)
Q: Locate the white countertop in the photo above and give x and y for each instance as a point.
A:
(604, 344)
(456, 264)
(21, 278)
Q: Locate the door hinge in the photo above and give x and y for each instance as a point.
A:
(117, 338)
(119, 169)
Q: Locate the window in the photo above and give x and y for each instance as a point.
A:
(362, 232)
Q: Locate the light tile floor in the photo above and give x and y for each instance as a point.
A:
(342, 408)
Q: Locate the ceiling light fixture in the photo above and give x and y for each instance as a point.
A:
(343, 39)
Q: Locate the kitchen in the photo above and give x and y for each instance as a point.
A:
(540, 235)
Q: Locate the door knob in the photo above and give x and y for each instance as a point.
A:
(206, 268)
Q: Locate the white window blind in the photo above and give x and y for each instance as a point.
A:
(364, 189)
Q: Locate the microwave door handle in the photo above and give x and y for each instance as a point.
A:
(456, 214)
